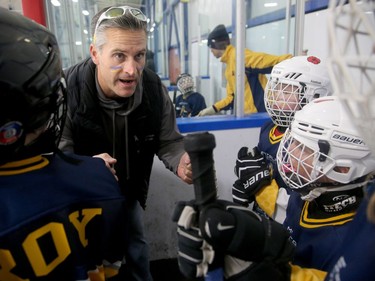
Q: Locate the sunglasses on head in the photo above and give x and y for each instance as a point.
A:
(115, 12)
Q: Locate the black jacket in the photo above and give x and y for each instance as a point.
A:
(136, 139)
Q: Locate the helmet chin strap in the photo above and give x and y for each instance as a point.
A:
(316, 192)
(313, 194)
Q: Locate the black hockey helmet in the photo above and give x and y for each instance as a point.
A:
(32, 88)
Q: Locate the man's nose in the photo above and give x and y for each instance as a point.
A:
(130, 67)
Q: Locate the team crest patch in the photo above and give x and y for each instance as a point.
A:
(275, 135)
(10, 132)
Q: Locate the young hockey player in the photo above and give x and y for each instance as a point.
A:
(60, 214)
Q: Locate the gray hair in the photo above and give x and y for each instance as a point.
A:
(126, 22)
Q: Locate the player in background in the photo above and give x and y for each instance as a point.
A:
(190, 102)
(351, 63)
(293, 83)
(257, 65)
(60, 213)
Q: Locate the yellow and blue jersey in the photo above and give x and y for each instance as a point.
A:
(356, 259)
(59, 220)
(269, 140)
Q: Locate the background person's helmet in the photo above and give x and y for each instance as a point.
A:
(32, 87)
(304, 78)
(323, 141)
(351, 62)
(185, 83)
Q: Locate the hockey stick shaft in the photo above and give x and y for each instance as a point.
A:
(200, 147)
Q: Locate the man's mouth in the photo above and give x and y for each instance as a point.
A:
(127, 81)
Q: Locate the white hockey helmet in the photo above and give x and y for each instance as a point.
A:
(351, 63)
(294, 83)
(185, 83)
(322, 148)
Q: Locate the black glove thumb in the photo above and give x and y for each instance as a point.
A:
(243, 152)
(256, 152)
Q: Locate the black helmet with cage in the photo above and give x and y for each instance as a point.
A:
(32, 88)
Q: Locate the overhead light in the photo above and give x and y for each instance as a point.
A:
(270, 4)
(56, 3)
(85, 12)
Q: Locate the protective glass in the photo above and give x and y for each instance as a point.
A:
(115, 12)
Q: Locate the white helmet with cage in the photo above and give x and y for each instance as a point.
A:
(322, 150)
(351, 63)
(185, 83)
(294, 83)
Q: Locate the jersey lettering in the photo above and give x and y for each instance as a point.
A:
(34, 252)
(335, 273)
(80, 226)
(6, 264)
(339, 206)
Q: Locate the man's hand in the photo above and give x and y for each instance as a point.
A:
(184, 170)
(253, 173)
(109, 162)
(207, 111)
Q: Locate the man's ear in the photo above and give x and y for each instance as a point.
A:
(94, 54)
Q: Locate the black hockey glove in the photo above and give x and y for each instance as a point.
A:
(245, 245)
(194, 254)
(242, 233)
(253, 173)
